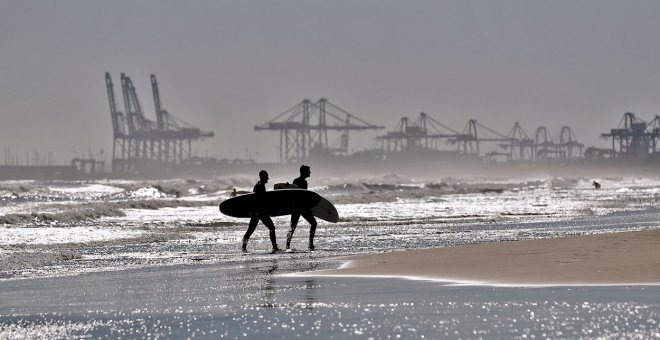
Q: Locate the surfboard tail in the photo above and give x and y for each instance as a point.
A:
(326, 211)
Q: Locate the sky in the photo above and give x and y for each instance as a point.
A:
(226, 66)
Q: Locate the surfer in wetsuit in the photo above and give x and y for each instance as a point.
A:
(301, 182)
(260, 214)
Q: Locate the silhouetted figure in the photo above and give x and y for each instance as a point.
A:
(305, 172)
(260, 213)
(238, 193)
(596, 185)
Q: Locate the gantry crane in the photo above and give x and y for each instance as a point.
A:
(139, 141)
(469, 140)
(304, 130)
(568, 145)
(520, 147)
(425, 133)
(633, 138)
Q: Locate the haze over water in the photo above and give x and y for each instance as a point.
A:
(226, 66)
(156, 259)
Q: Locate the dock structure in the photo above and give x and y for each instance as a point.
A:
(474, 134)
(519, 147)
(423, 134)
(634, 138)
(305, 130)
(139, 142)
(426, 135)
(568, 145)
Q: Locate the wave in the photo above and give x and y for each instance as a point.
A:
(121, 189)
(63, 217)
(92, 211)
(362, 192)
(184, 187)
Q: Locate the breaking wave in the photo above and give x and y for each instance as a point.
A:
(96, 210)
(63, 217)
(364, 192)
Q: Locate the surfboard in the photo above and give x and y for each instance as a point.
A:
(279, 203)
(275, 203)
(325, 211)
(280, 186)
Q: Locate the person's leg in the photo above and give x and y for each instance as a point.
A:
(312, 228)
(294, 222)
(271, 229)
(251, 226)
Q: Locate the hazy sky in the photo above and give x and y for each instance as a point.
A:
(226, 66)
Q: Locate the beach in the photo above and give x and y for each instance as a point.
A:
(136, 259)
(623, 258)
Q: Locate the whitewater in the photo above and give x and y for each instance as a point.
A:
(150, 259)
(69, 228)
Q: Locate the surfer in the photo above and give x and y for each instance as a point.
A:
(301, 182)
(237, 193)
(260, 214)
(596, 185)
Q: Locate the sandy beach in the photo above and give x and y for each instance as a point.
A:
(625, 258)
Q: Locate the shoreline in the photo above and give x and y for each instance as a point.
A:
(613, 259)
(410, 165)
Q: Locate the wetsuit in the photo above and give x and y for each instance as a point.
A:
(306, 214)
(260, 214)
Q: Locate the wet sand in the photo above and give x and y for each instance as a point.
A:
(627, 258)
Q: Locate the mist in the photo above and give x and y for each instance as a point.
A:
(227, 66)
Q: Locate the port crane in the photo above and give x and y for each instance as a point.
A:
(520, 147)
(305, 127)
(633, 138)
(139, 142)
(425, 133)
(469, 141)
(568, 145)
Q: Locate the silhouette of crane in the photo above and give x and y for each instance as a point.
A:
(631, 139)
(568, 145)
(139, 142)
(424, 134)
(304, 130)
(520, 147)
(469, 141)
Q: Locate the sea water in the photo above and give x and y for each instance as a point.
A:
(156, 259)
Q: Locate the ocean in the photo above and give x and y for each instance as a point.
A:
(156, 259)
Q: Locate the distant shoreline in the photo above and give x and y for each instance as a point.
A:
(413, 167)
(626, 258)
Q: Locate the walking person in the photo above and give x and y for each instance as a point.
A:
(260, 213)
(301, 182)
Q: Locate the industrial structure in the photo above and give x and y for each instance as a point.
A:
(423, 134)
(139, 142)
(519, 148)
(427, 135)
(321, 129)
(305, 127)
(632, 139)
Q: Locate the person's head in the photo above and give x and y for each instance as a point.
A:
(263, 176)
(305, 171)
